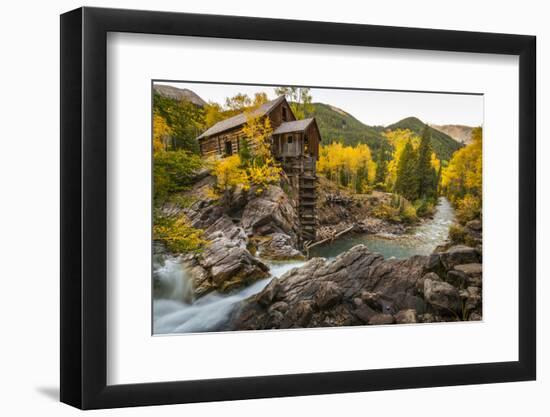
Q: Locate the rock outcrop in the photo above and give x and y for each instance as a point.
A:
(225, 263)
(277, 247)
(243, 227)
(270, 212)
(361, 287)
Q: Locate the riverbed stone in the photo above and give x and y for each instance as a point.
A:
(442, 296)
(328, 294)
(299, 314)
(406, 316)
(457, 279)
(381, 319)
(420, 283)
(278, 247)
(457, 255)
(473, 273)
(364, 313)
(475, 225)
(475, 317)
(269, 293)
(226, 264)
(473, 301)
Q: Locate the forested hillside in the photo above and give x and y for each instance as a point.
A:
(443, 145)
(336, 125)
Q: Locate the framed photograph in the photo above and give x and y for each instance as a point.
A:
(258, 208)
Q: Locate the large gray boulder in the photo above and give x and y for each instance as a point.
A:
(231, 265)
(278, 247)
(381, 319)
(472, 272)
(270, 212)
(225, 264)
(406, 316)
(457, 255)
(443, 297)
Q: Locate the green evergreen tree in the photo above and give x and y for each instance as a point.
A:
(424, 170)
(381, 167)
(343, 178)
(362, 178)
(245, 152)
(406, 183)
(185, 119)
(438, 179)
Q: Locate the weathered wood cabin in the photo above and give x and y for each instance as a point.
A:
(294, 143)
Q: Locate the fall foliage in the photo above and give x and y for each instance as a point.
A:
(254, 165)
(177, 234)
(461, 180)
(347, 166)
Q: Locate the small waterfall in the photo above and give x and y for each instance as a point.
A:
(175, 311)
(171, 281)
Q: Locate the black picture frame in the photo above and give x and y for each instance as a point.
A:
(84, 207)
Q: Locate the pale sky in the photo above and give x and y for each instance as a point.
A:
(370, 107)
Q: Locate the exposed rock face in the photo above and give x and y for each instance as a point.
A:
(442, 296)
(225, 263)
(458, 255)
(235, 224)
(361, 287)
(180, 94)
(278, 247)
(472, 273)
(337, 210)
(460, 133)
(271, 212)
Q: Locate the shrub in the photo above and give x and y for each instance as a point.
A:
(173, 171)
(399, 210)
(457, 234)
(386, 212)
(424, 207)
(407, 212)
(469, 208)
(177, 234)
(229, 173)
(264, 174)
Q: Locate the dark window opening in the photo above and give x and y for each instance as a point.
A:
(289, 140)
(284, 114)
(228, 148)
(306, 144)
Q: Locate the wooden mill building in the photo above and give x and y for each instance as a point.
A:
(294, 144)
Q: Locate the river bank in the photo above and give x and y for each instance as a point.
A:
(177, 309)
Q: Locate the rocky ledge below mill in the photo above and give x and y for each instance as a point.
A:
(360, 287)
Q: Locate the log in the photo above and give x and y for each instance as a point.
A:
(331, 238)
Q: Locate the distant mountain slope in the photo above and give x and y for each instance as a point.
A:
(443, 145)
(460, 133)
(179, 94)
(335, 124)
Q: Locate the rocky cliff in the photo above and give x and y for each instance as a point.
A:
(460, 133)
(244, 228)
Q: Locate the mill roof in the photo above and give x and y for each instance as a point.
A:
(293, 126)
(240, 119)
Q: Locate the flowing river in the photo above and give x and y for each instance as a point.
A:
(175, 311)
